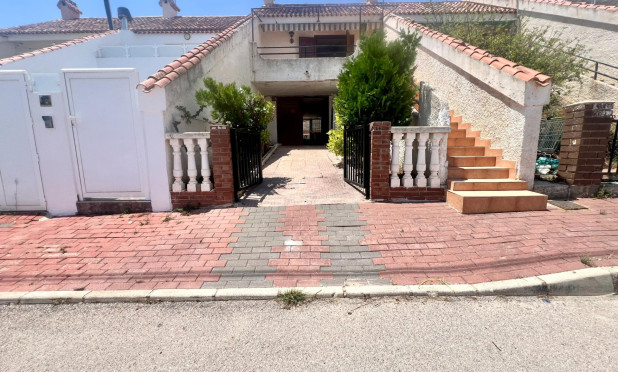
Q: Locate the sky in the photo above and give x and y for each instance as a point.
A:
(22, 12)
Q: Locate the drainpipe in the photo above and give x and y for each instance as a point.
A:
(108, 11)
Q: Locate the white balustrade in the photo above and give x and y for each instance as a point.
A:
(422, 144)
(190, 140)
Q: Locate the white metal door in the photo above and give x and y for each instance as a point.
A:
(109, 140)
(21, 187)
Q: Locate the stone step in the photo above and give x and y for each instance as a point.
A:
(468, 202)
(471, 161)
(486, 185)
(465, 151)
(460, 142)
(462, 173)
(457, 133)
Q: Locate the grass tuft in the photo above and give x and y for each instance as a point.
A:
(292, 298)
(586, 261)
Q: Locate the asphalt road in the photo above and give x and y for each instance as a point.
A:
(488, 334)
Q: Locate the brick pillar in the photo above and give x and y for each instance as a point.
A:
(584, 142)
(222, 166)
(379, 176)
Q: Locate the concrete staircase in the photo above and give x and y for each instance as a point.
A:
(479, 180)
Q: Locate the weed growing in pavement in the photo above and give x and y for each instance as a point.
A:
(602, 212)
(167, 218)
(63, 250)
(292, 298)
(603, 193)
(146, 222)
(586, 261)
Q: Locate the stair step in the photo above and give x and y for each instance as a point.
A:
(457, 133)
(458, 173)
(460, 142)
(465, 151)
(471, 161)
(487, 185)
(496, 201)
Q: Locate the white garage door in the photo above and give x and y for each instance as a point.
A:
(20, 179)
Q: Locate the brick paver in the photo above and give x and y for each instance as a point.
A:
(307, 175)
(308, 245)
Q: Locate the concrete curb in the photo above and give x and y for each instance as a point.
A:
(595, 281)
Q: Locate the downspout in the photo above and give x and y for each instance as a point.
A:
(108, 11)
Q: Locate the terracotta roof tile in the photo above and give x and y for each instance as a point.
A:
(402, 8)
(575, 4)
(53, 48)
(172, 71)
(500, 63)
(139, 25)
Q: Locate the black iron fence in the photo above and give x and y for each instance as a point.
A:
(612, 153)
(246, 157)
(356, 156)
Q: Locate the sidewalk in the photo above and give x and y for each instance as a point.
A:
(352, 244)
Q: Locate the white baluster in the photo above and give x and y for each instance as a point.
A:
(443, 160)
(191, 167)
(178, 185)
(408, 181)
(395, 182)
(206, 184)
(434, 162)
(421, 181)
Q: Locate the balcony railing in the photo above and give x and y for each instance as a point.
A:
(420, 145)
(198, 180)
(312, 51)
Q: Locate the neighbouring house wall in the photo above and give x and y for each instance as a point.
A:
(81, 55)
(594, 27)
(506, 109)
(229, 62)
(591, 90)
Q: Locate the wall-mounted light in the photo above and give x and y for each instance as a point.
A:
(291, 37)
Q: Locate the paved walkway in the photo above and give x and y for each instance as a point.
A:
(302, 176)
(311, 245)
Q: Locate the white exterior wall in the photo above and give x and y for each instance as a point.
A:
(504, 108)
(228, 63)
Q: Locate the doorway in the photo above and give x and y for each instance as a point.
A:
(303, 121)
(108, 137)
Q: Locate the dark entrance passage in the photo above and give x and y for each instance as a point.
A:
(302, 121)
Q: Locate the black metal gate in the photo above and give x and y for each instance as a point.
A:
(356, 157)
(246, 157)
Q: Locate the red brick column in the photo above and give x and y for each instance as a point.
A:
(379, 176)
(584, 142)
(222, 166)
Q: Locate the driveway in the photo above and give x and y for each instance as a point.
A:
(301, 176)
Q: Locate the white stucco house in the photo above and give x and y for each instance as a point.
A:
(89, 114)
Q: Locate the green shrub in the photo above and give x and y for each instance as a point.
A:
(233, 106)
(535, 48)
(335, 141)
(377, 85)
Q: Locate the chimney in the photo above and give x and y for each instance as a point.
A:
(372, 2)
(269, 2)
(69, 10)
(170, 9)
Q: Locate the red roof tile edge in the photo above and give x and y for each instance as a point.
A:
(609, 8)
(184, 63)
(54, 47)
(503, 64)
